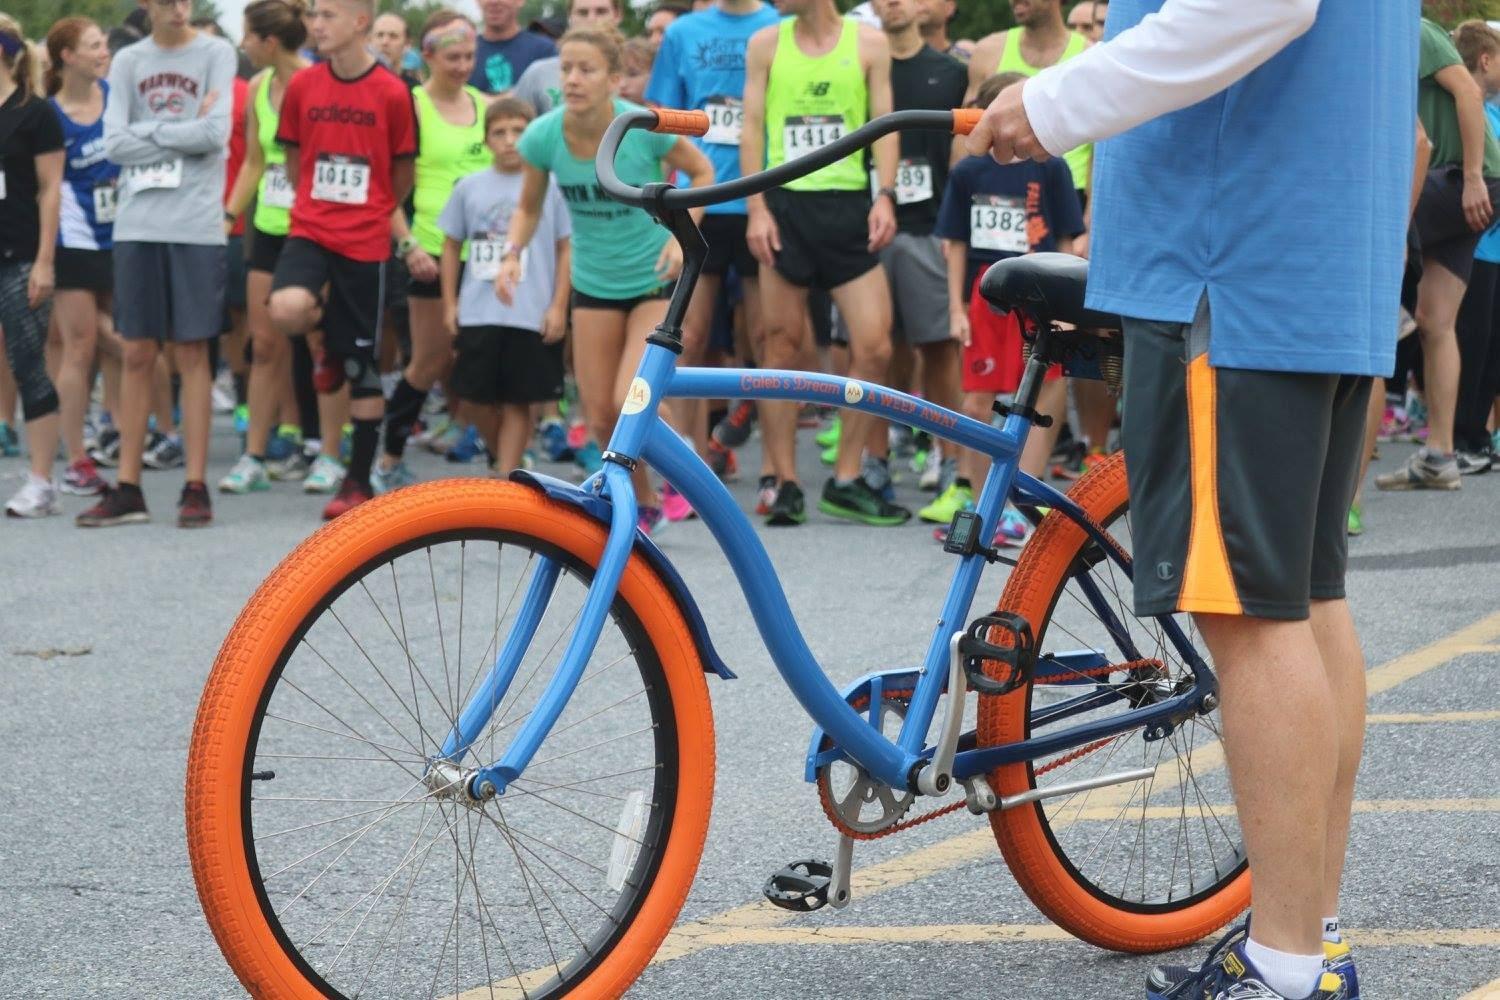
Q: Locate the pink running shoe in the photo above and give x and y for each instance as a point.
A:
(674, 505)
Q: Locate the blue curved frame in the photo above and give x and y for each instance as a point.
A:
(641, 435)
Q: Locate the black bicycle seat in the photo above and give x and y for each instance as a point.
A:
(1048, 287)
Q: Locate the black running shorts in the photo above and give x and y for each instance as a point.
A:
(500, 364)
(825, 236)
(1240, 480)
(83, 270)
(727, 248)
(356, 293)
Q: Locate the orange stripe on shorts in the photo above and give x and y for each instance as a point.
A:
(1207, 583)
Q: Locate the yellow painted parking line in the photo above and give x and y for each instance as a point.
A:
(1490, 991)
(1110, 813)
(1414, 664)
(1464, 937)
(1418, 718)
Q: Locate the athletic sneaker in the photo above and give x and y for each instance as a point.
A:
(734, 429)
(723, 461)
(346, 443)
(35, 498)
(1228, 974)
(588, 458)
(932, 470)
(553, 437)
(829, 455)
(106, 451)
(1356, 520)
(82, 479)
(222, 393)
(1339, 960)
(248, 476)
(788, 508)
(765, 495)
(194, 509)
(291, 469)
(350, 495)
(857, 501)
(649, 520)
(1013, 527)
(10, 445)
(241, 419)
(122, 504)
(675, 506)
(1473, 463)
(383, 480)
(829, 436)
(469, 448)
(325, 476)
(163, 451)
(578, 435)
(952, 500)
(1495, 443)
(1423, 471)
(877, 475)
(286, 441)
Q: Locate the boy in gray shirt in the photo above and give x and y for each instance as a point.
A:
(509, 356)
(167, 127)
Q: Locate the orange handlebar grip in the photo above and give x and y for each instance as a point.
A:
(681, 122)
(964, 120)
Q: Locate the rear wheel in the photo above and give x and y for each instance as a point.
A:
(1142, 866)
(333, 860)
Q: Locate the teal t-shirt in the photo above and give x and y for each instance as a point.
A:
(615, 247)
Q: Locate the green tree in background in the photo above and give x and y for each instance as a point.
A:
(37, 16)
(1450, 12)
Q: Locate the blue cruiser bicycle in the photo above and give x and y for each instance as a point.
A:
(459, 743)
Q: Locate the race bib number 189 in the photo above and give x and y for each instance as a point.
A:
(344, 180)
(805, 134)
(913, 182)
(998, 223)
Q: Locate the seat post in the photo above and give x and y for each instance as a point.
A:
(1035, 371)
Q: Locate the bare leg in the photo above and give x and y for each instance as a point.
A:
(1344, 666)
(1096, 411)
(1438, 299)
(865, 304)
(8, 391)
(270, 366)
(1373, 416)
(1284, 765)
(784, 308)
(638, 326)
(514, 431)
(76, 313)
(137, 383)
(197, 405)
(697, 326)
(161, 393)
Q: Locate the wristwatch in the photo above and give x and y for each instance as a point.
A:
(888, 192)
(406, 245)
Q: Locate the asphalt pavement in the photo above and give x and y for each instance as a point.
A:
(106, 637)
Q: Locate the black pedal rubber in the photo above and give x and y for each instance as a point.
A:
(1019, 656)
(801, 886)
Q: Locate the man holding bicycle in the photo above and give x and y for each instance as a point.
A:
(1241, 128)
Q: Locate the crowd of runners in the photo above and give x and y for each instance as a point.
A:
(357, 239)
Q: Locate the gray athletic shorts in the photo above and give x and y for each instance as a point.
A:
(1240, 480)
(171, 292)
(918, 276)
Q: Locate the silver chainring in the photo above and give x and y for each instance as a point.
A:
(866, 804)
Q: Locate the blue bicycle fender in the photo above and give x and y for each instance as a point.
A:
(597, 507)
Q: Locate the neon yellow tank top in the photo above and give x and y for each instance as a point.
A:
(273, 197)
(811, 102)
(447, 153)
(1080, 160)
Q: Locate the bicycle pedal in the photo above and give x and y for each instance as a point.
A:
(801, 886)
(1019, 656)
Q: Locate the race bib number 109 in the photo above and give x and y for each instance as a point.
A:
(344, 180)
(726, 121)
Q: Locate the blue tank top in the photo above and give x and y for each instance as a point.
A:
(88, 188)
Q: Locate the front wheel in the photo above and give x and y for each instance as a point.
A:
(332, 859)
(1139, 866)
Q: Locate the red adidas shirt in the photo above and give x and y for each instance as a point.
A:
(236, 149)
(346, 134)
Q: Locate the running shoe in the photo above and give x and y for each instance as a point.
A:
(588, 458)
(788, 508)
(106, 451)
(675, 506)
(469, 448)
(829, 455)
(346, 443)
(35, 498)
(1013, 527)
(291, 469)
(222, 393)
(241, 419)
(1356, 519)
(765, 495)
(437, 427)
(734, 430)
(877, 475)
(350, 495)
(91, 431)
(578, 435)
(10, 445)
(1423, 471)
(857, 501)
(829, 436)
(1339, 960)
(723, 461)
(383, 480)
(286, 442)
(1168, 981)
(553, 437)
(1228, 974)
(325, 476)
(1473, 463)
(194, 509)
(122, 504)
(163, 451)
(931, 469)
(952, 500)
(248, 476)
(82, 479)
(649, 520)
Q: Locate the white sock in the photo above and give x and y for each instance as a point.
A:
(1293, 976)
(1331, 930)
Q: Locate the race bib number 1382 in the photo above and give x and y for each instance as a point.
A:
(998, 223)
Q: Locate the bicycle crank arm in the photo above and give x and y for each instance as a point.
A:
(937, 777)
(1069, 787)
(838, 886)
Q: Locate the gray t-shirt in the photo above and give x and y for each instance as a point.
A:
(541, 85)
(171, 187)
(478, 212)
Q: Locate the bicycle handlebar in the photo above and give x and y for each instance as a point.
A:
(695, 123)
